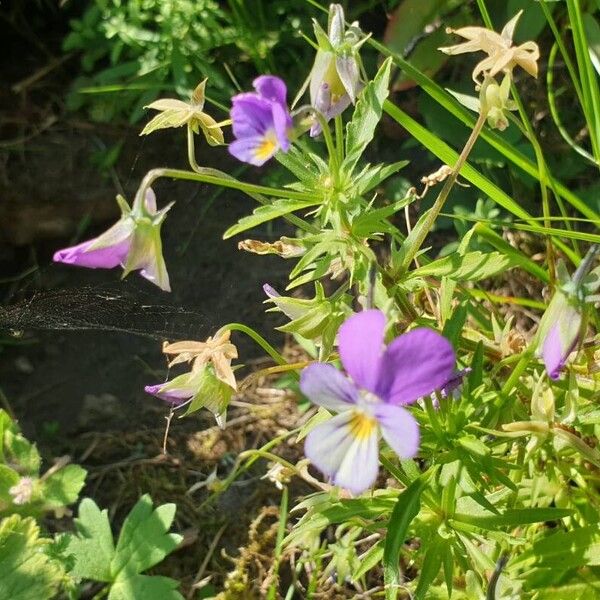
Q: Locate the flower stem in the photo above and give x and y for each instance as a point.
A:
(276, 356)
(435, 210)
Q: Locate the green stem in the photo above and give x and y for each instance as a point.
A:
(435, 210)
(339, 138)
(257, 338)
(511, 382)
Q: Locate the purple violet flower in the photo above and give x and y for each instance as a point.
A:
(133, 242)
(261, 121)
(413, 365)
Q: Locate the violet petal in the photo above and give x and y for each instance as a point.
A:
(360, 341)
(324, 385)
(414, 365)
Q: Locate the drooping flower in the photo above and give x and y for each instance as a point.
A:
(335, 77)
(502, 56)
(562, 326)
(176, 113)
(261, 121)
(133, 242)
(383, 380)
(211, 381)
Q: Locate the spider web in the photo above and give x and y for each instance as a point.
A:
(102, 309)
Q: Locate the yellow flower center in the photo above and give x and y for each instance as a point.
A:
(362, 425)
(267, 147)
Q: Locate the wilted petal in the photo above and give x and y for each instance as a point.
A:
(317, 75)
(345, 448)
(347, 69)
(336, 24)
(399, 429)
(324, 385)
(360, 341)
(414, 365)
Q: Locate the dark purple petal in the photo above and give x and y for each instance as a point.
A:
(399, 429)
(102, 258)
(455, 381)
(271, 88)
(414, 365)
(251, 115)
(350, 461)
(360, 341)
(282, 122)
(324, 385)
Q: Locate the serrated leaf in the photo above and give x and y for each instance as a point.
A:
(27, 573)
(62, 488)
(21, 451)
(92, 547)
(406, 509)
(473, 266)
(367, 114)
(145, 539)
(136, 587)
(8, 478)
(268, 212)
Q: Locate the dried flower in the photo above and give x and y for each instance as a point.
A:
(133, 242)
(176, 113)
(415, 364)
(502, 55)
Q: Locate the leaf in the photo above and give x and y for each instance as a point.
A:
(62, 488)
(371, 177)
(472, 266)
(27, 573)
(144, 540)
(592, 32)
(135, 587)
(92, 546)
(406, 509)
(367, 114)
(563, 550)
(211, 393)
(431, 566)
(268, 212)
(19, 450)
(8, 478)
(513, 517)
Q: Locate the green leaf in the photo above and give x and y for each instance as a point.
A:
(406, 509)
(211, 393)
(563, 550)
(472, 266)
(268, 212)
(431, 566)
(367, 114)
(8, 478)
(19, 450)
(92, 546)
(135, 587)
(62, 488)
(144, 540)
(513, 517)
(371, 177)
(27, 573)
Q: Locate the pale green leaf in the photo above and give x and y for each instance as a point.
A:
(26, 572)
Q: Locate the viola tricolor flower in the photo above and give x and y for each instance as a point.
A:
(261, 121)
(383, 380)
(133, 243)
(334, 78)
